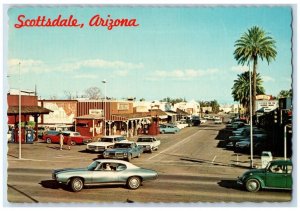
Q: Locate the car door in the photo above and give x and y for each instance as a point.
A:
(100, 175)
(275, 179)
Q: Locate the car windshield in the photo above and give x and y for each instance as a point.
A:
(122, 145)
(93, 165)
(106, 140)
(144, 140)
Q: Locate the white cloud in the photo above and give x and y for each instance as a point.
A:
(240, 69)
(26, 65)
(121, 73)
(38, 66)
(186, 74)
(266, 78)
(102, 64)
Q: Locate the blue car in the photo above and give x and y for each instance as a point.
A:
(125, 150)
(168, 128)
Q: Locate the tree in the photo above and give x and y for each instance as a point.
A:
(241, 88)
(285, 93)
(253, 45)
(173, 101)
(93, 93)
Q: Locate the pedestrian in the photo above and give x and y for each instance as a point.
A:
(69, 143)
(61, 140)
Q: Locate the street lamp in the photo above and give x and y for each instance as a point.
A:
(104, 81)
(251, 126)
(20, 113)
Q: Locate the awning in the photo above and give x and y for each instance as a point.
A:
(27, 110)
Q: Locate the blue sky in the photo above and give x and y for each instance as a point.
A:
(175, 52)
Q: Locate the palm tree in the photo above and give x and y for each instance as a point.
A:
(252, 45)
(241, 88)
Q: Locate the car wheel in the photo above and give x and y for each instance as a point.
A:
(129, 157)
(151, 150)
(133, 183)
(76, 184)
(48, 141)
(252, 185)
(73, 143)
(156, 149)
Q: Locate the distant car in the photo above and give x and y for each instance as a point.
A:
(218, 121)
(203, 121)
(104, 143)
(119, 172)
(276, 175)
(148, 143)
(125, 150)
(168, 128)
(74, 138)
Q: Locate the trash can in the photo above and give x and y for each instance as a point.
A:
(266, 157)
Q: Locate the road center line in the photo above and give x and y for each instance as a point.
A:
(177, 144)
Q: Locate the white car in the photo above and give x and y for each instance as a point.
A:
(106, 142)
(218, 121)
(148, 143)
(203, 121)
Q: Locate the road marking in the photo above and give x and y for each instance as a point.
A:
(177, 144)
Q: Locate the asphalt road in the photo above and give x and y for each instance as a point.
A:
(191, 166)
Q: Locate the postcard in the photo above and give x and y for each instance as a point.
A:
(148, 104)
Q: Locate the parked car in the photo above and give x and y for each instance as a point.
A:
(182, 124)
(121, 172)
(259, 144)
(74, 138)
(104, 143)
(218, 121)
(276, 175)
(235, 125)
(149, 144)
(51, 136)
(258, 133)
(168, 128)
(125, 150)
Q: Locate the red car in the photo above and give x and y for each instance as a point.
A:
(73, 137)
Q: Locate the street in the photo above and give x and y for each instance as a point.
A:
(191, 166)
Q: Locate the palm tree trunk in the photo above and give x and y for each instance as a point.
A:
(254, 86)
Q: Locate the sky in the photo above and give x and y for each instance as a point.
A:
(176, 51)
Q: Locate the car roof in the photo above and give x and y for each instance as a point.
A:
(113, 136)
(126, 142)
(282, 162)
(117, 161)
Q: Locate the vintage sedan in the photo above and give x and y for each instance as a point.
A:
(276, 175)
(104, 171)
(168, 128)
(74, 138)
(125, 150)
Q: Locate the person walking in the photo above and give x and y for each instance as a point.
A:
(61, 140)
(69, 143)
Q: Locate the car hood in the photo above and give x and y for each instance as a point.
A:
(143, 143)
(66, 170)
(101, 143)
(118, 150)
